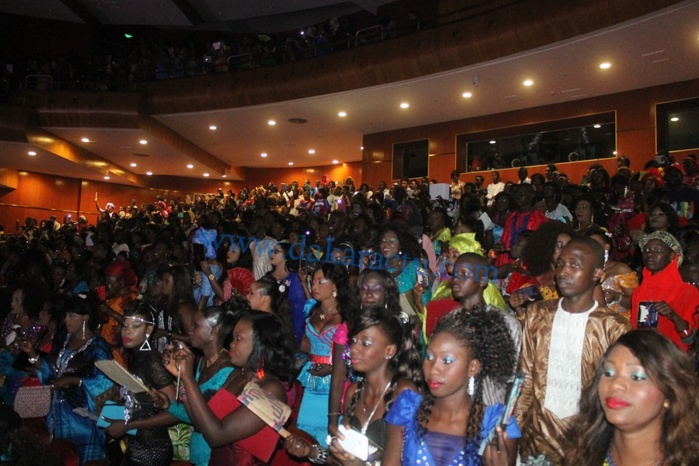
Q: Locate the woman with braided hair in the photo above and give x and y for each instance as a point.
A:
(448, 424)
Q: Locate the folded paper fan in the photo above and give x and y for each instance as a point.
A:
(272, 411)
(241, 279)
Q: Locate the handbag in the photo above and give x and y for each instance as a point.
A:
(33, 401)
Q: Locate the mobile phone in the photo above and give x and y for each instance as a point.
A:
(422, 279)
(354, 443)
(532, 292)
(507, 412)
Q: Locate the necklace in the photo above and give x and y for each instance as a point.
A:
(214, 358)
(376, 406)
(322, 314)
(63, 360)
(609, 461)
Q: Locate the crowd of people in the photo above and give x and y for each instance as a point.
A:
(148, 55)
(393, 324)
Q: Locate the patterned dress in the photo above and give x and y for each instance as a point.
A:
(438, 449)
(313, 413)
(73, 408)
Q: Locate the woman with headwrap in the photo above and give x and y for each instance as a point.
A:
(208, 268)
(119, 280)
(442, 301)
(663, 301)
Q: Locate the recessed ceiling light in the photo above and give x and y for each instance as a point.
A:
(342, 114)
(271, 122)
(361, 148)
(223, 176)
(528, 82)
(106, 177)
(336, 162)
(149, 173)
(85, 140)
(404, 105)
(264, 154)
(31, 153)
(674, 119)
(143, 142)
(597, 126)
(189, 165)
(614, 152)
(206, 175)
(467, 95)
(213, 127)
(311, 151)
(291, 163)
(133, 164)
(606, 65)
(492, 142)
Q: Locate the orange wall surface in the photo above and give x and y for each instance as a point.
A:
(635, 128)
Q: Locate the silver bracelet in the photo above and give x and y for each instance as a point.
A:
(322, 455)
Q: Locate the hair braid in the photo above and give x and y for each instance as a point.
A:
(349, 410)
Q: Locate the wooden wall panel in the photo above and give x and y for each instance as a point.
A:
(38, 196)
(262, 176)
(441, 166)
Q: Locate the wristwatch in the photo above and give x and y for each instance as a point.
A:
(212, 277)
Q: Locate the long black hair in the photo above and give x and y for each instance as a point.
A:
(272, 348)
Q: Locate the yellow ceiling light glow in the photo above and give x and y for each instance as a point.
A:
(528, 82)
(605, 65)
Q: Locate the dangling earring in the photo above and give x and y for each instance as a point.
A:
(606, 256)
(260, 373)
(471, 389)
(83, 329)
(334, 293)
(146, 344)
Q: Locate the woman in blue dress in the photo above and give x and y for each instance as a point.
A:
(327, 310)
(447, 425)
(77, 383)
(285, 275)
